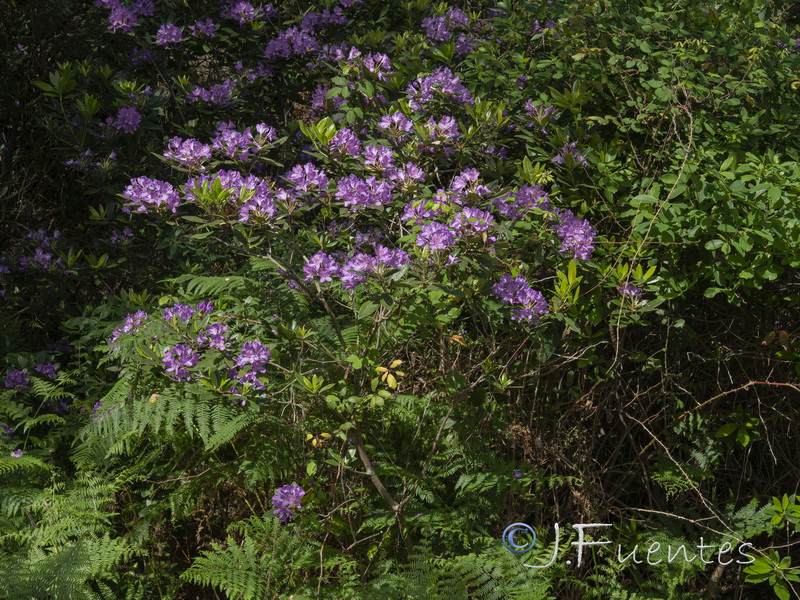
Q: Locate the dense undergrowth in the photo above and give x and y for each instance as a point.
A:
(313, 300)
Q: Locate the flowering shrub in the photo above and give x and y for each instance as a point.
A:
(428, 261)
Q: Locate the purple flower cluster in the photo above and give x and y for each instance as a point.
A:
(438, 29)
(46, 369)
(168, 34)
(240, 145)
(144, 193)
(345, 142)
(259, 201)
(178, 359)
(213, 336)
(16, 453)
(131, 324)
(467, 182)
(444, 131)
(307, 177)
(541, 115)
(396, 124)
(576, 235)
(570, 150)
(420, 211)
(217, 95)
(205, 28)
(380, 157)
(376, 63)
(355, 269)
(17, 380)
(42, 257)
(628, 289)
(516, 290)
(471, 221)
(239, 11)
(291, 41)
(314, 21)
(441, 85)
(122, 19)
(357, 193)
(178, 311)
(407, 176)
(287, 500)
(436, 236)
(127, 119)
(514, 206)
(256, 356)
(187, 154)
(321, 266)
(121, 238)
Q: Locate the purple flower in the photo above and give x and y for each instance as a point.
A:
(187, 154)
(345, 142)
(17, 380)
(180, 311)
(437, 29)
(121, 238)
(525, 200)
(517, 291)
(408, 175)
(321, 265)
(214, 336)
(168, 34)
(144, 193)
(466, 182)
(16, 453)
(436, 236)
(440, 85)
(396, 124)
(240, 145)
(307, 176)
(357, 193)
(379, 156)
(8, 431)
(241, 12)
(256, 355)
(576, 235)
(131, 324)
(206, 28)
(517, 475)
(473, 219)
(177, 359)
(630, 290)
(127, 120)
(205, 308)
(97, 414)
(122, 19)
(46, 369)
(145, 8)
(570, 150)
(287, 500)
(217, 95)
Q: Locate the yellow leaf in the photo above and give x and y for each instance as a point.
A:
(153, 398)
(458, 339)
(392, 381)
(381, 369)
(309, 436)
(400, 373)
(395, 364)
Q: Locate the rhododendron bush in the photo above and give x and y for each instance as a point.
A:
(313, 299)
